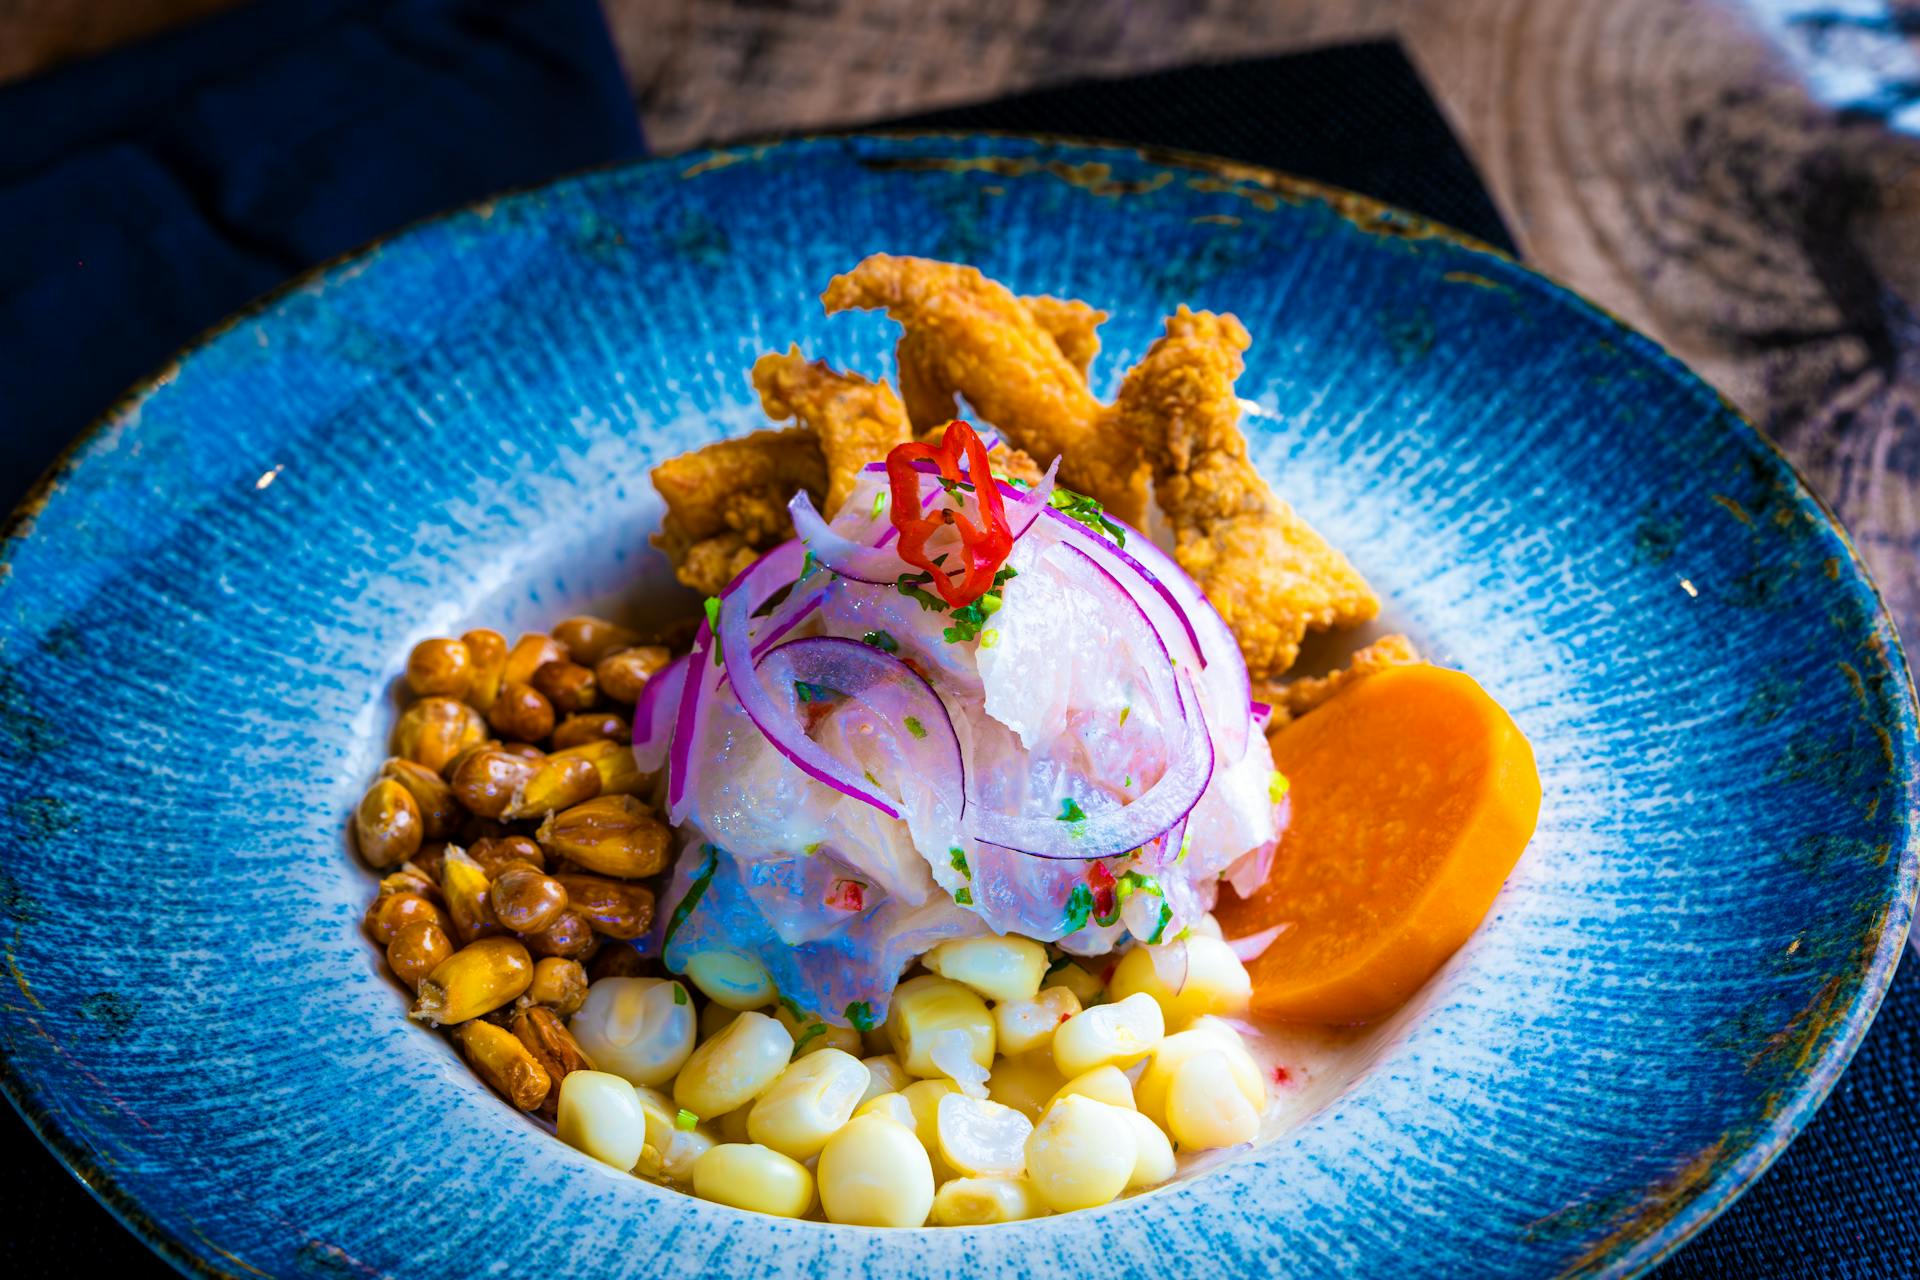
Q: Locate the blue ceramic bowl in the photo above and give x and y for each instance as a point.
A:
(206, 603)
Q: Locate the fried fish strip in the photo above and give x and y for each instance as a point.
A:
(856, 421)
(727, 503)
(929, 396)
(971, 335)
(1264, 568)
(1073, 325)
(1295, 698)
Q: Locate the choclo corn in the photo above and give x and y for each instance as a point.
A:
(1205, 1107)
(671, 1150)
(732, 1127)
(1106, 1084)
(714, 1018)
(884, 1075)
(1206, 926)
(925, 1006)
(979, 1138)
(734, 1067)
(811, 1034)
(479, 978)
(1081, 1154)
(1216, 981)
(600, 1114)
(730, 979)
(1026, 1083)
(1021, 1026)
(1153, 1153)
(1150, 1091)
(810, 1100)
(1121, 1033)
(923, 1098)
(978, 1202)
(999, 968)
(1086, 988)
(893, 1106)
(750, 1176)
(875, 1173)
(639, 1028)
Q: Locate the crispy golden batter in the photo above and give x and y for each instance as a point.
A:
(1073, 325)
(968, 334)
(930, 398)
(1297, 697)
(856, 421)
(727, 503)
(1271, 576)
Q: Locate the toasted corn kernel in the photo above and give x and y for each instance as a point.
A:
(612, 907)
(589, 639)
(486, 781)
(639, 1028)
(496, 853)
(498, 1057)
(531, 652)
(625, 672)
(521, 712)
(525, 900)
(557, 782)
(591, 726)
(569, 935)
(525, 750)
(1121, 1033)
(923, 1007)
(612, 835)
(1026, 1083)
(978, 1202)
(439, 666)
(875, 1173)
(600, 1114)
(811, 1099)
(388, 914)
(386, 826)
(417, 950)
(730, 979)
(747, 1175)
(409, 879)
(998, 968)
(619, 962)
(1153, 1153)
(734, 1067)
(439, 813)
(479, 978)
(811, 1034)
(613, 762)
(1081, 1154)
(568, 686)
(427, 862)
(1022, 1026)
(1205, 1107)
(487, 658)
(884, 1075)
(469, 896)
(559, 984)
(433, 731)
(1216, 983)
(979, 1138)
(547, 1039)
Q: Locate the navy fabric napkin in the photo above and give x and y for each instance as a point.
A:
(146, 194)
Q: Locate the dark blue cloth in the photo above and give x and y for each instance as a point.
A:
(146, 194)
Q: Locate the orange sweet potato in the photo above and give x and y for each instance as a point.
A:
(1413, 794)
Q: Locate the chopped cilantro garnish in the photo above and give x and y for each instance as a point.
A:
(1125, 712)
(1133, 882)
(1079, 907)
(1127, 782)
(1005, 575)
(1078, 506)
(860, 1014)
(915, 728)
(911, 585)
(967, 621)
(989, 603)
(813, 848)
(964, 897)
(882, 641)
(1070, 811)
(958, 858)
(880, 502)
(792, 1006)
(808, 692)
(1276, 787)
(679, 994)
(1186, 846)
(955, 486)
(807, 565)
(1166, 917)
(1059, 963)
(1183, 935)
(813, 1031)
(684, 1120)
(712, 607)
(701, 880)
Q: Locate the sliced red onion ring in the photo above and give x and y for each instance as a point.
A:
(880, 564)
(1254, 945)
(654, 715)
(686, 724)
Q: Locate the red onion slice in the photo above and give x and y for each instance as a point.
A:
(687, 724)
(1254, 945)
(879, 565)
(654, 715)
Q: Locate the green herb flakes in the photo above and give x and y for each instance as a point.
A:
(880, 640)
(684, 1120)
(860, 1014)
(1070, 811)
(914, 727)
(1078, 506)
(1079, 908)
(957, 858)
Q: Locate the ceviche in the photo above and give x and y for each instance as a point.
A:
(969, 857)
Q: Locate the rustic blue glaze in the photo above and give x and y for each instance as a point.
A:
(203, 611)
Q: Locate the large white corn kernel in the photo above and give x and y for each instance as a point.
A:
(1205, 1108)
(923, 1096)
(884, 1075)
(1216, 981)
(1022, 1026)
(714, 1019)
(893, 1106)
(922, 1008)
(1108, 1084)
(875, 1173)
(683, 1153)
(1081, 1154)
(1025, 1083)
(811, 1034)
(671, 1149)
(977, 1202)
(1150, 1091)
(1121, 1033)
(1086, 988)
(998, 968)
(980, 1138)
(731, 979)
(639, 1028)
(732, 1127)
(748, 1176)
(1153, 1153)
(600, 1114)
(734, 1067)
(1207, 927)
(812, 1098)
